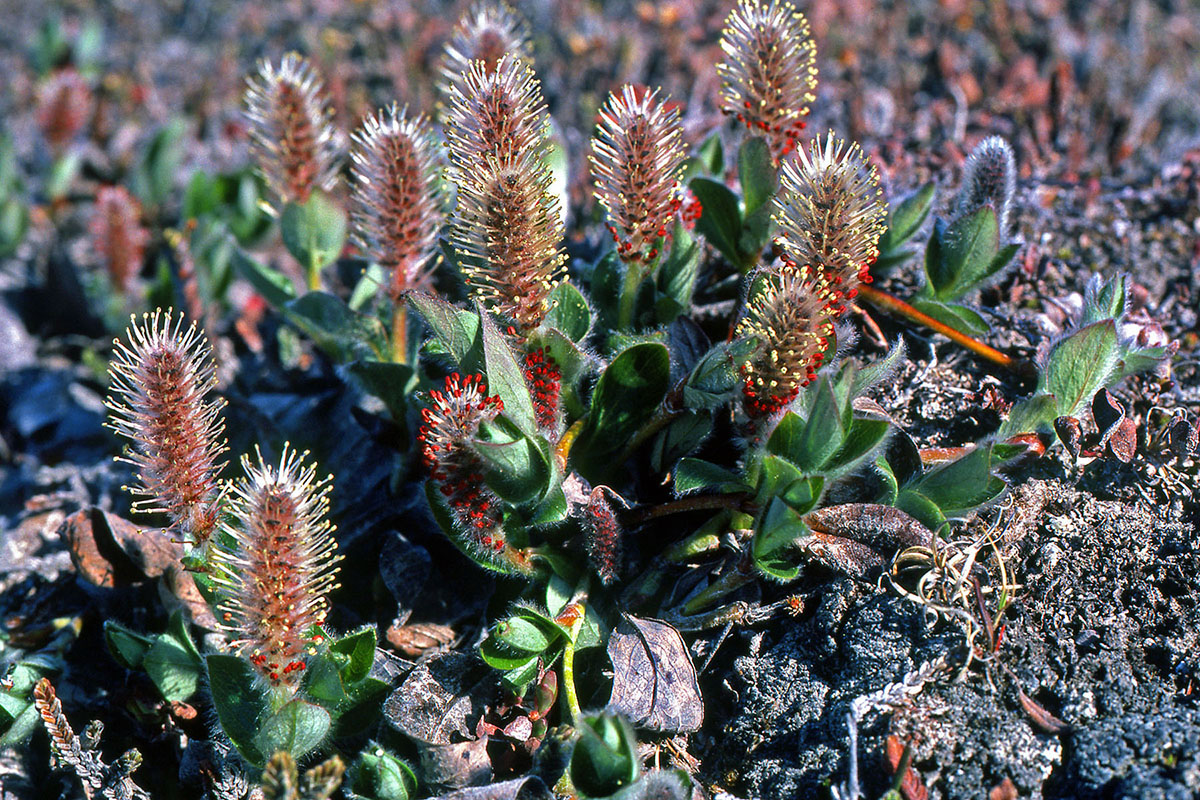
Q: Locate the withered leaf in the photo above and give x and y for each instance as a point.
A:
(450, 766)
(528, 788)
(1039, 717)
(110, 551)
(1070, 433)
(882, 528)
(654, 680)
(1183, 436)
(440, 699)
(844, 555)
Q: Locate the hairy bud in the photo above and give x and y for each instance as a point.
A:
(296, 145)
(280, 567)
(159, 397)
(770, 72)
(831, 213)
(117, 234)
(398, 207)
(544, 379)
(451, 423)
(603, 535)
(486, 33)
(637, 155)
(791, 317)
(989, 179)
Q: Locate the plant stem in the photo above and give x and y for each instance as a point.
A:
(570, 697)
(400, 333)
(726, 585)
(735, 501)
(897, 306)
(314, 275)
(629, 290)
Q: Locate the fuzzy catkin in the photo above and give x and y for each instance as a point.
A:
(281, 565)
(769, 73)
(295, 143)
(637, 155)
(397, 203)
(162, 376)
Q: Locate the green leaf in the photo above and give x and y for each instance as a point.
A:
(62, 175)
(1081, 365)
(694, 474)
(956, 489)
(518, 469)
(711, 154)
(605, 756)
(523, 635)
(299, 728)
(14, 223)
(359, 648)
(757, 173)
(22, 727)
(275, 287)
(505, 378)
(379, 775)
(344, 334)
(240, 701)
(906, 217)
(323, 682)
(569, 312)
(1032, 415)
(314, 232)
(776, 536)
(809, 444)
(173, 662)
(391, 382)
(962, 254)
(864, 436)
(677, 275)
(126, 646)
(683, 435)
(866, 377)
(154, 177)
(456, 329)
(720, 219)
(626, 397)
(962, 318)
(775, 474)
(442, 516)
(716, 379)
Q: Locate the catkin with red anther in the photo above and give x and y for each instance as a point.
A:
(770, 71)
(397, 201)
(637, 155)
(162, 376)
(831, 213)
(295, 143)
(792, 320)
(276, 574)
(450, 425)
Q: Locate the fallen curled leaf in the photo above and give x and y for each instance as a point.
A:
(882, 528)
(528, 788)
(412, 641)
(1039, 717)
(110, 551)
(844, 555)
(654, 680)
(434, 707)
(1070, 433)
(1183, 436)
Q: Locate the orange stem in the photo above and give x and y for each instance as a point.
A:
(897, 306)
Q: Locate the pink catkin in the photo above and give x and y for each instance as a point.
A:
(162, 376)
(276, 576)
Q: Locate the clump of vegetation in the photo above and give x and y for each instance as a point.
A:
(625, 461)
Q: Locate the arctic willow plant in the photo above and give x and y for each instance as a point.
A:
(261, 551)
